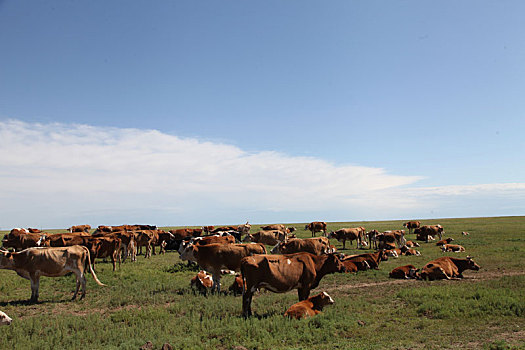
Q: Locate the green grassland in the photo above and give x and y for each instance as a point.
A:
(150, 300)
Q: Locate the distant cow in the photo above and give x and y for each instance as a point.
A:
(18, 239)
(373, 259)
(456, 248)
(409, 251)
(404, 272)
(50, 262)
(237, 285)
(309, 307)
(268, 237)
(410, 225)
(349, 234)
(282, 273)
(447, 268)
(316, 246)
(316, 226)
(4, 319)
(412, 244)
(445, 241)
(79, 228)
(279, 227)
(427, 232)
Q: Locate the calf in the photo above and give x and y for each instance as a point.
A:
(412, 244)
(404, 272)
(456, 248)
(237, 285)
(309, 307)
(445, 241)
(4, 319)
(202, 282)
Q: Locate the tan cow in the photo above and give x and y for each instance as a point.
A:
(373, 259)
(79, 228)
(268, 237)
(404, 272)
(316, 226)
(215, 257)
(411, 225)
(316, 246)
(309, 307)
(428, 232)
(237, 285)
(4, 319)
(278, 227)
(447, 268)
(282, 273)
(350, 234)
(18, 240)
(456, 248)
(445, 241)
(32, 263)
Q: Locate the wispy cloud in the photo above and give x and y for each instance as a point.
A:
(57, 174)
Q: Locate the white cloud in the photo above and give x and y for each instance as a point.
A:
(55, 175)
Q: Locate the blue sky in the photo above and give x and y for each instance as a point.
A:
(346, 110)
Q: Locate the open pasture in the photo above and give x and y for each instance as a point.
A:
(150, 300)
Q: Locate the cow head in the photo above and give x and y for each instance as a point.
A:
(277, 248)
(471, 264)
(187, 252)
(6, 260)
(321, 300)
(333, 264)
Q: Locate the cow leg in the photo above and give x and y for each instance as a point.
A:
(216, 287)
(303, 293)
(35, 283)
(78, 276)
(344, 242)
(247, 303)
(83, 283)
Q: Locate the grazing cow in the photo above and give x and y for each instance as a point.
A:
(373, 259)
(32, 263)
(456, 248)
(447, 268)
(349, 234)
(282, 273)
(316, 226)
(268, 237)
(404, 272)
(237, 285)
(79, 228)
(202, 282)
(427, 232)
(410, 225)
(316, 246)
(214, 257)
(412, 244)
(445, 241)
(18, 240)
(279, 227)
(309, 307)
(107, 247)
(4, 319)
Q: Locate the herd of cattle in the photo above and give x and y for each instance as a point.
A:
(293, 263)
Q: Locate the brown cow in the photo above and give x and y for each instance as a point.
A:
(215, 257)
(282, 273)
(408, 251)
(279, 227)
(427, 232)
(456, 248)
(32, 263)
(268, 237)
(316, 246)
(79, 228)
(202, 282)
(237, 285)
(390, 237)
(447, 268)
(316, 226)
(445, 241)
(350, 234)
(4, 319)
(412, 244)
(107, 247)
(404, 272)
(373, 259)
(18, 240)
(354, 266)
(410, 225)
(309, 307)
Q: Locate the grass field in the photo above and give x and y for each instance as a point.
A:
(150, 300)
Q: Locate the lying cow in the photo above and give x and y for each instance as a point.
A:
(445, 241)
(373, 259)
(316, 246)
(456, 248)
(447, 268)
(50, 262)
(4, 319)
(215, 257)
(309, 307)
(354, 266)
(202, 282)
(412, 244)
(404, 272)
(282, 273)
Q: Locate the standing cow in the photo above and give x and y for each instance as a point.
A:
(316, 226)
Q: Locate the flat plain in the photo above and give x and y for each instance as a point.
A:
(151, 300)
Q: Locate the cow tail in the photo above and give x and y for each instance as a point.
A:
(91, 268)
